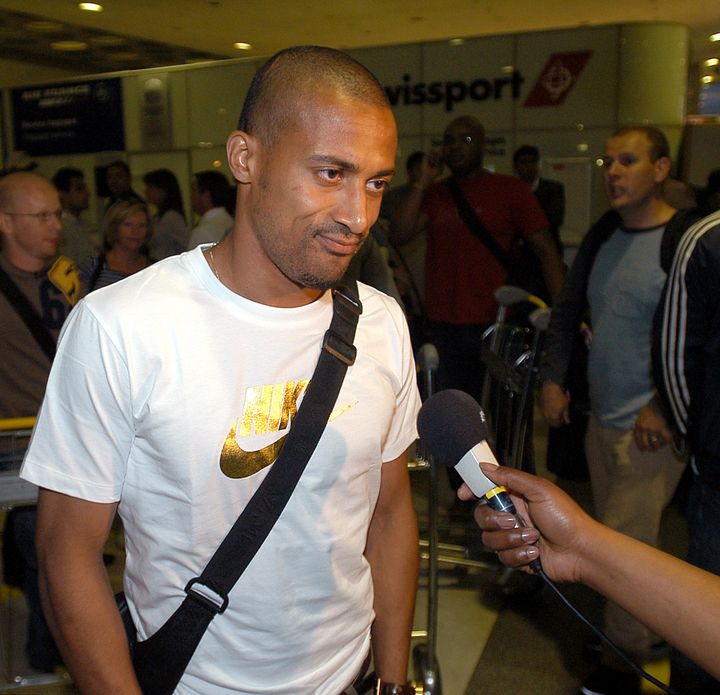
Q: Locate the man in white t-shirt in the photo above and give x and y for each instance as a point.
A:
(209, 193)
(172, 391)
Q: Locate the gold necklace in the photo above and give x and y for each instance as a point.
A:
(212, 263)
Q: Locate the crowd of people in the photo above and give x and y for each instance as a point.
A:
(171, 393)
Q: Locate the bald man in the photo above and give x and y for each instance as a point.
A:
(30, 231)
(462, 269)
(185, 380)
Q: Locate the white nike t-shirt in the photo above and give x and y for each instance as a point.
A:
(170, 394)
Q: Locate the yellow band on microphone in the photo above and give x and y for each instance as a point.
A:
(495, 491)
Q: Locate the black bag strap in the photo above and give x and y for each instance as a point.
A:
(161, 660)
(470, 218)
(27, 313)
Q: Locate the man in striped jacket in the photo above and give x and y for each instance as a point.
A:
(687, 373)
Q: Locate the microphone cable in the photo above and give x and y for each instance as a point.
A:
(537, 567)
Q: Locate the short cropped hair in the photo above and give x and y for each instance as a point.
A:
(659, 146)
(276, 91)
(526, 151)
(63, 178)
(216, 184)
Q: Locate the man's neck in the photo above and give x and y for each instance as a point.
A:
(259, 283)
(657, 212)
(470, 174)
(24, 262)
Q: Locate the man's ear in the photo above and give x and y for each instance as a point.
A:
(663, 165)
(241, 152)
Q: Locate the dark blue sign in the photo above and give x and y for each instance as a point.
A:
(69, 118)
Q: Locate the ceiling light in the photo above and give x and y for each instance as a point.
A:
(456, 42)
(715, 37)
(90, 6)
(582, 147)
(711, 62)
(241, 46)
(69, 45)
(706, 79)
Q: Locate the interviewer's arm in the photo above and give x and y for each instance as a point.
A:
(392, 551)
(675, 599)
(77, 596)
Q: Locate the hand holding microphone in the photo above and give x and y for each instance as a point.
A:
(453, 429)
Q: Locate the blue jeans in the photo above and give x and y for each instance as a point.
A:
(704, 551)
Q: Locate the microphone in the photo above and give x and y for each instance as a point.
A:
(452, 427)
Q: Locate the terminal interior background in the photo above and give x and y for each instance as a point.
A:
(183, 66)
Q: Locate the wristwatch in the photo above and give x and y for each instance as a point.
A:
(384, 688)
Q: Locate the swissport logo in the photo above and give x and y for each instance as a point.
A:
(557, 78)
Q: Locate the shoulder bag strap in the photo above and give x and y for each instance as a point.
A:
(161, 660)
(27, 313)
(473, 223)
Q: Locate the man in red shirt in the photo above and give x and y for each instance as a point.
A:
(462, 272)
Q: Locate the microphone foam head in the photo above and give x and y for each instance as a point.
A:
(450, 423)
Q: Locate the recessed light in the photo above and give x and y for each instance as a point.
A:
(69, 45)
(582, 147)
(456, 42)
(712, 62)
(241, 46)
(706, 79)
(715, 37)
(90, 7)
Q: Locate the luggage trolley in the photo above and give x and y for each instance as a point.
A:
(14, 492)
(510, 353)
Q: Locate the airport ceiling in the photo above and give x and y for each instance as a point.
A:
(130, 34)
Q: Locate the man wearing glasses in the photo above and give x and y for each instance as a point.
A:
(35, 298)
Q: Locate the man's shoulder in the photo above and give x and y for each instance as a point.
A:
(704, 234)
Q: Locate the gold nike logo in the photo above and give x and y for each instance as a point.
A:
(267, 409)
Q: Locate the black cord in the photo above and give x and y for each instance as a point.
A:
(615, 649)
